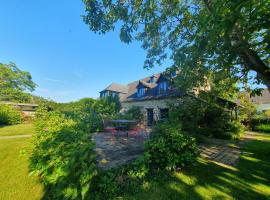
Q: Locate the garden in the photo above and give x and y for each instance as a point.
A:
(216, 55)
(62, 160)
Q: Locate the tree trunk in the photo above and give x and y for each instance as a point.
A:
(249, 56)
(253, 62)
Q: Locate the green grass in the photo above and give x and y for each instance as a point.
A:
(20, 129)
(207, 180)
(250, 179)
(15, 182)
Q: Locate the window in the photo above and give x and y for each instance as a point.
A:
(164, 113)
(151, 80)
(105, 94)
(163, 87)
(173, 74)
(114, 94)
(140, 92)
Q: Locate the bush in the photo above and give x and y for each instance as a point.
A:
(263, 128)
(62, 156)
(170, 148)
(84, 114)
(255, 123)
(89, 114)
(203, 118)
(220, 124)
(9, 115)
(134, 113)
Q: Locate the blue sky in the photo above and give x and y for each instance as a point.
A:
(67, 61)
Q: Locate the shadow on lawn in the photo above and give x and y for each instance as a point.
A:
(208, 180)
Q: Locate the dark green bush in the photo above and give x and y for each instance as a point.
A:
(9, 115)
(62, 156)
(219, 124)
(198, 117)
(259, 123)
(263, 128)
(170, 148)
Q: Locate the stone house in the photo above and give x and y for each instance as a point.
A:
(152, 94)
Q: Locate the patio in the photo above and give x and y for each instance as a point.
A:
(117, 148)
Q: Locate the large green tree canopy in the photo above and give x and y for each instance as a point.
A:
(216, 38)
(14, 83)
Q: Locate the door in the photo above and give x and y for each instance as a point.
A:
(150, 116)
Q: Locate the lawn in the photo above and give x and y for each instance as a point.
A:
(15, 182)
(250, 179)
(20, 129)
(207, 180)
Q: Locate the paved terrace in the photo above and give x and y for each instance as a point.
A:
(116, 150)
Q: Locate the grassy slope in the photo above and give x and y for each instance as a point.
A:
(15, 182)
(20, 129)
(207, 180)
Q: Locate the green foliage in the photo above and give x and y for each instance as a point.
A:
(263, 128)
(62, 156)
(199, 116)
(170, 148)
(260, 124)
(88, 113)
(134, 113)
(14, 82)
(83, 113)
(107, 107)
(9, 115)
(219, 124)
(203, 38)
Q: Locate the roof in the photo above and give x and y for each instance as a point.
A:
(115, 87)
(129, 91)
(264, 98)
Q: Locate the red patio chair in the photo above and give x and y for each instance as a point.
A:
(111, 130)
(134, 132)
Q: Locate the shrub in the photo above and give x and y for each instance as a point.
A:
(220, 124)
(170, 148)
(263, 128)
(255, 123)
(134, 113)
(84, 114)
(203, 118)
(9, 115)
(62, 156)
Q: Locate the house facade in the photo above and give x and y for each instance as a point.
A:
(152, 95)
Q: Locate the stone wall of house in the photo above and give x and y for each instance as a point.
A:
(156, 105)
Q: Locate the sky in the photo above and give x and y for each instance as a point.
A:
(49, 39)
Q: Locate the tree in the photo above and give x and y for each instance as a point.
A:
(202, 37)
(14, 83)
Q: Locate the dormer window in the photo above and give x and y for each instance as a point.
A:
(163, 87)
(107, 93)
(173, 74)
(151, 80)
(140, 92)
